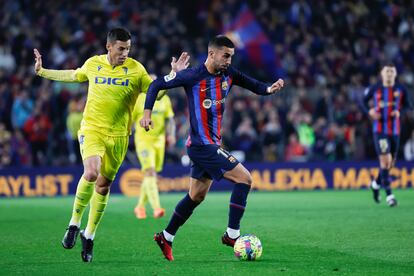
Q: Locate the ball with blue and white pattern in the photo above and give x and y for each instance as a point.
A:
(248, 248)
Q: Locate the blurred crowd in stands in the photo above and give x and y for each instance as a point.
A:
(328, 52)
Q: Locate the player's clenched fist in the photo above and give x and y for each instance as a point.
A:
(146, 121)
(276, 86)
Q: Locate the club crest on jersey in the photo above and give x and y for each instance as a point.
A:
(170, 76)
(224, 85)
(396, 93)
(125, 70)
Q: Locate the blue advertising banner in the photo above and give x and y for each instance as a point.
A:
(57, 181)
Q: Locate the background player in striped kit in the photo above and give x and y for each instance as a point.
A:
(207, 87)
(387, 98)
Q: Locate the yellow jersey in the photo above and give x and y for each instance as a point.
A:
(112, 93)
(162, 111)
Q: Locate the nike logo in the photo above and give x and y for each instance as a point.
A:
(202, 90)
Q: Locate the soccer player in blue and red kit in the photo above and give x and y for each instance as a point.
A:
(207, 87)
(388, 99)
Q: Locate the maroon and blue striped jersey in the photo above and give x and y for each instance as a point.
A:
(385, 101)
(206, 94)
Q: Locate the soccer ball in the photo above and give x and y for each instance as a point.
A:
(248, 247)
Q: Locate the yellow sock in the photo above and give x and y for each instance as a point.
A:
(98, 205)
(152, 191)
(143, 194)
(84, 193)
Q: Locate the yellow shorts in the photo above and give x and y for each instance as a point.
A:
(111, 149)
(150, 153)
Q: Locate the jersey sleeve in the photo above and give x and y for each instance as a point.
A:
(367, 97)
(169, 81)
(245, 81)
(81, 74)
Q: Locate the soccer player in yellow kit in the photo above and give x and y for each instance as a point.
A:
(150, 148)
(115, 80)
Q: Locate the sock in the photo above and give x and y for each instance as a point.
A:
(385, 182)
(378, 179)
(168, 236)
(390, 197)
(98, 205)
(238, 203)
(83, 195)
(182, 212)
(233, 233)
(143, 195)
(152, 192)
(375, 185)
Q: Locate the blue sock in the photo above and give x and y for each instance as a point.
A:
(385, 181)
(182, 212)
(378, 179)
(238, 203)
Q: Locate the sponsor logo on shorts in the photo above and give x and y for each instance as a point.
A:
(232, 159)
(383, 143)
(227, 155)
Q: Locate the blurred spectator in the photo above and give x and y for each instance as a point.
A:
(305, 131)
(294, 150)
(37, 129)
(73, 123)
(21, 110)
(272, 138)
(21, 153)
(5, 148)
(246, 138)
(409, 148)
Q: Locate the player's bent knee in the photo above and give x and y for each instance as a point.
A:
(245, 179)
(91, 175)
(198, 197)
(249, 180)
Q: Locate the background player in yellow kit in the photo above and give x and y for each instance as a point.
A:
(150, 148)
(115, 80)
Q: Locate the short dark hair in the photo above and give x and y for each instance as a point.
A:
(115, 34)
(387, 63)
(220, 41)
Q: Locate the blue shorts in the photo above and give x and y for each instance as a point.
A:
(210, 161)
(385, 144)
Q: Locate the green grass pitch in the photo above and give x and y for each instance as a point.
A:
(303, 233)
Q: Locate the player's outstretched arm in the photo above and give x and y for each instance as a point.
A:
(58, 75)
